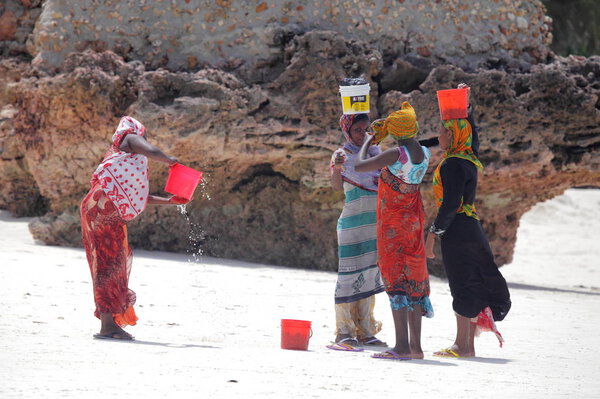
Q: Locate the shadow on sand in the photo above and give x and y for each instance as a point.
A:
(528, 287)
(173, 345)
(431, 362)
(491, 360)
(423, 362)
(427, 362)
(165, 344)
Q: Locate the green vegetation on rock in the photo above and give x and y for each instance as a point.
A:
(575, 26)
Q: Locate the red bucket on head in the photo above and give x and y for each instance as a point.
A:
(295, 334)
(182, 181)
(453, 103)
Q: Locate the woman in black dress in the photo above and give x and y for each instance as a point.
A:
(479, 292)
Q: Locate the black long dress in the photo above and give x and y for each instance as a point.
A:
(475, 281)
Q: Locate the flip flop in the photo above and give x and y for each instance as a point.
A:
(446, 353)
(390, 355)
(373, 341)
(121, 336)
(342, 346)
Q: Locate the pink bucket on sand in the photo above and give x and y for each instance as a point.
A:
(182, 181)
(295, 334)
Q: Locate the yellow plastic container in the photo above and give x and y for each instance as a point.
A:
(355, 99)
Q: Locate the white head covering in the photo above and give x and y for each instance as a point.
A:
(124, 175)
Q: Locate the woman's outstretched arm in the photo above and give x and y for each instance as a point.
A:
(174, 200)
(382, 160)
(139, 145)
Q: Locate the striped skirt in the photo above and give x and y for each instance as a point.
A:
(358, 274)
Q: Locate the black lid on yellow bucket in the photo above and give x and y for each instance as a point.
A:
(353, 82)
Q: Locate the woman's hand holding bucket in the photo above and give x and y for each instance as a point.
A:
(176, 200)
(172, 160)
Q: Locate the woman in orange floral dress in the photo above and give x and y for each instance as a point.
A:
(400, 227)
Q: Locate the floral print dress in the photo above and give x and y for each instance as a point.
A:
(400, 240)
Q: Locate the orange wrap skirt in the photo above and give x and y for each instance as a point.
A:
(400, 237)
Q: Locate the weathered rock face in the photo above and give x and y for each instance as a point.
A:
(18, 191)
(184, 35)
(17, 19)
(265, 146)
(540, 134)
(265, 149)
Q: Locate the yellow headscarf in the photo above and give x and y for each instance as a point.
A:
(460, 147)
(401, 124)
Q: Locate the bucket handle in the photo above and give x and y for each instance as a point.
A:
(311, 333)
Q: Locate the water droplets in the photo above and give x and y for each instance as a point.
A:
(196, 235)
(203, 190)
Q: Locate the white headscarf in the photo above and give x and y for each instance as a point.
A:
(124, 175)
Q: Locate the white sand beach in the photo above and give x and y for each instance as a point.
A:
(212, 329)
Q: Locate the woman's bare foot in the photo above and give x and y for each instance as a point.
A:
(417, 355)
(120, 333)
(403, 352)
(110, 329)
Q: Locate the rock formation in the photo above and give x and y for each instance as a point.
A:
(262, 128)
(185, 34)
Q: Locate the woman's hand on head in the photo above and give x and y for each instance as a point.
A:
(466, 86)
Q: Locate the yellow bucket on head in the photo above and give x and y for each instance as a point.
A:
(355, 99)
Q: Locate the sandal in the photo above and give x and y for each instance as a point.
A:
(448, 352)
(372, 341)
(346, 344)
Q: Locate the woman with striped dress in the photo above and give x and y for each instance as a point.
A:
(358, 275)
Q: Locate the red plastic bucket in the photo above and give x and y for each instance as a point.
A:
(295, 334)
(182, 181)
(453, 103)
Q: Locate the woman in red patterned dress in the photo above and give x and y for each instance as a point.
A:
(119, 192)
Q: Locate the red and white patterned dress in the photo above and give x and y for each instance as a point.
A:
(118, 194)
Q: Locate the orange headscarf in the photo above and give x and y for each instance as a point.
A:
(460, 147)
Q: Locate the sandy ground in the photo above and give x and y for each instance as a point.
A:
(212, 329)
